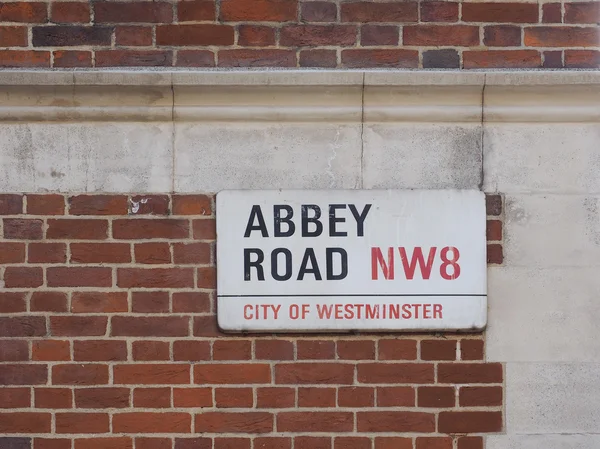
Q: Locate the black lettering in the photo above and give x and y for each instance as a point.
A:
(314, 219)
(288, 264)
(291, 227)
(343, 265)
(256, 213)
(309, 255)
(260, 257)
(360, 218)
(333, 220)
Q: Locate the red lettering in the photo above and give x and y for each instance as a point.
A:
(426, 311)
(349, 312)
(324, 311)
(358, 310)
(437, 311)
(416, 307)
(395, 311)
(446, 262)
(371, 311)
(377, 260)
(406, 313)
(417, 258)
(247, 312)
(338, 312)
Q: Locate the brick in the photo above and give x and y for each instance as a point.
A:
(495, 254)
(493, 205)
(247, 422)
(80, 374)
(384, 421)
(395, 397)
(14, 398)
(502, 36)
(582, 12)
(206, 326)
(102, 398)
(395, 373)
(438, 349)
(232, 350)
(71, 12)
(194, 35)
(206, 229)
(404, 12)
(502, 59)
(45, 204)
(500, 12)
(207, 278)
(51, 350)
(249, 373)
(16, 277)
(315, 349)
(480, 396)
(22, 422)
(315, 35)
(258, 10)
(12, 302)
(438, 35)
(275, 397)
(100, 253)
(494, 230)
(433, 443)
(313, 443)
(393, 443)
(22, 229)
(72, 58)
(99, 350)
(552, 13)
(314, 373)
(22, 326)
(150, 350)
(140, 422)
(316, 397)
(557, 36)
(318, 12)
(70, 228)
(134, 36)
(152, 397)
(439, 12)
(471, 349)
(374, 35)
(318, 58)
(53, 398)
(156, 374)
(26, 12)
(357, 58)
(553, 59)
(14, 351)
(352, 443)
(191, 253)
(53, 443)
(196, 10)
(192, 397)
(468, 373)
(149, 205)
(206, 443)
(441, 59)
(356, 349)
(114, 12)
(315, 421)
(436, 397)
(234, 397)
(12, 252)
(584, 59)
(470, 443)
(13, 36)
(47, 253)
(133, 58)
(103, 443)
(75, 326)
(153, 443)
(10, 204)
(272, 443)
(469, 422)
(62, 36)
(171, 326)
(99, 302)
(246, 58)
(191, 302)
(79, 277)
(152, 253)
(133, 229)
(274, 350)
(199, 204)
(24, 59)
(150, 302)
(356, 397)
(15, 374)
(195, 58)
(155, 277)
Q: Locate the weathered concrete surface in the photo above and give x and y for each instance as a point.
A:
(548, 441)
(271, 156)
(86, 157)
(412, 156)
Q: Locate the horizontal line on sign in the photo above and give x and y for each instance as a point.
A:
(342, 295)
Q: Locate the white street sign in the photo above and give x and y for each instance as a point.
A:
(345, 260)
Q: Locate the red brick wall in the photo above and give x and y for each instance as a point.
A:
(292, 33)
(108, 340)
